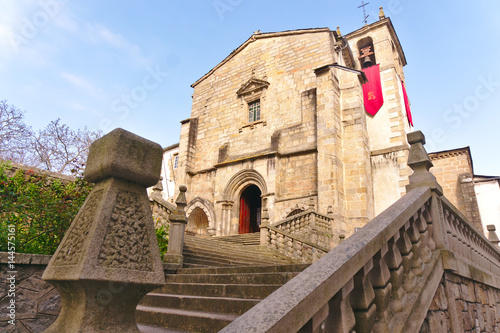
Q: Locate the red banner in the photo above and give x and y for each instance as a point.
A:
(407, 104)
(372, 90)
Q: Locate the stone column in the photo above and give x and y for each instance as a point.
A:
(264, 224)
(109, 258)
(178, 221)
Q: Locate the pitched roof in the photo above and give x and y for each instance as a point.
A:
(255, 37)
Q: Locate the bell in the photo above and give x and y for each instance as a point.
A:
(367, 62)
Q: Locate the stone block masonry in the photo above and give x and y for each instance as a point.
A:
(37, 302)
(463, 305)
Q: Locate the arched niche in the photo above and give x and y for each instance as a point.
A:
(198, 205)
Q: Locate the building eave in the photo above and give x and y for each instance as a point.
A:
(453, 152)
(175, 145)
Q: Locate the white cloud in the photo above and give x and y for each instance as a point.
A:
(81, 83)
(98, 33)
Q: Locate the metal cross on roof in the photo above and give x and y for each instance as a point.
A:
(363, 4)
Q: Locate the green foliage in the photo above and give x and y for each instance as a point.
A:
(162, 236)
(41, 208)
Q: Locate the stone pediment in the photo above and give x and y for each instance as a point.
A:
(251, 86)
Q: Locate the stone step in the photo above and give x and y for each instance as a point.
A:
(190, 321)
(143, 328)
(241, 278)
(228, 305)
(244, 269)
(254, 291)
(244, 251)
(220, 280)
(208, 263)
(245, 239)
(256, 259)
(190, 265)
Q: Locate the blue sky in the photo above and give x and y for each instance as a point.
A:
(130, 64)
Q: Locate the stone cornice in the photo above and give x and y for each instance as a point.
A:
(453, 152)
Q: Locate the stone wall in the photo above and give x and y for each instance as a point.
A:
(218, 141)
(386, 131)
(448, 165)
(454, 172)
(37, 303)
(463, 305)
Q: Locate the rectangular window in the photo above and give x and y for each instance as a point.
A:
(176, 160)
(254, 111)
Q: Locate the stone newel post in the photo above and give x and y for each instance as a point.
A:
(178, 223)
(109, 258)
(420, 163)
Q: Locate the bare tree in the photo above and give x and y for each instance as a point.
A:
(14, 134)
(61, 149)
(56, 148)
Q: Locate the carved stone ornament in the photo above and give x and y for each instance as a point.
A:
(420, 163)
(109, 258)
(251, 86)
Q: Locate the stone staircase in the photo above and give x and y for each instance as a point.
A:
(238, 250)
(222, 278)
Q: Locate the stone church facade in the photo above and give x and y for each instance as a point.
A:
(280, 123)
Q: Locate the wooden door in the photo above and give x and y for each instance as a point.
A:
(244, 215)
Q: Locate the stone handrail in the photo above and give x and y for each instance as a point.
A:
(466, 243)
(380, 265)
(383, 277)
(294, 246)
(161, 209)
(305, 220)
(305, 236)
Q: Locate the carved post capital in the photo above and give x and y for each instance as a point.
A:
(420, 163)
(179, 214)
(157, 189)
(492, 235)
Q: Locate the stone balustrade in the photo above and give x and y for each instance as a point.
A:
(161, 208)
(294, 246)
(306, 236)
(385, 276)
(467, 243)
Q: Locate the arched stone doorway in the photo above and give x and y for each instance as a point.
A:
(250, 210)
(197, 222)
(228, 209)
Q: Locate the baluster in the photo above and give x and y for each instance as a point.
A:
(461, 244)
(289, 247)
(454, 233)
(274, 243)
(468, 236)
(425, 253)
(281, 245)
(414, 235)
(361, 299)
(395, 264)
(341, 317)
(380, 280)
(404, 246)
(431, 243)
